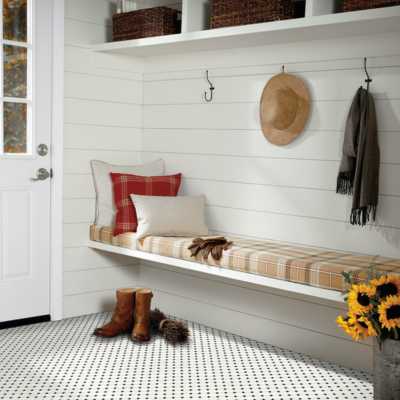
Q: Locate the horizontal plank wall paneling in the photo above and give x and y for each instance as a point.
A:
(102, 113)
(88, 303)
(83, 258)
(314, 174)
(76, 282)
(317, 145)
(84, 61)
(81, 33)
(77, 161)
(259, 190)
(95, 11)
(325, 116)
(78, 186)
(101, 88)
(103, 120)
(323, 204)
(247, 85)
(79, 210)
(96, 137)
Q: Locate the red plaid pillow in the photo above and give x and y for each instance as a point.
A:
(124, 185)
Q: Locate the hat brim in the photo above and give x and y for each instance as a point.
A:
(285, 136)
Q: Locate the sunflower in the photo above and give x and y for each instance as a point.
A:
(389, 312)
(343, 322)
(357, 326)
(363, 324)
(360, 298)
(388, 285)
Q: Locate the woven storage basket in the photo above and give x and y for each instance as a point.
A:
(156, 21)
(243, 12)
(355, 5)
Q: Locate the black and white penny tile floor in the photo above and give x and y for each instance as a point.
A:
(63, 360)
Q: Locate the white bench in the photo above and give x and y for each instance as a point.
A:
(254, 279)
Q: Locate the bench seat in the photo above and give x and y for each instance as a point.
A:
(307, 265)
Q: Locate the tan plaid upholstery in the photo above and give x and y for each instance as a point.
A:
(105, 235)
(295, 263)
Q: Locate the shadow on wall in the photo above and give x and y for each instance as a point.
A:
(107, 304)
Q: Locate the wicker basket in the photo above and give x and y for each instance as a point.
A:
(355, 5)
(156, 21)
(243, 12)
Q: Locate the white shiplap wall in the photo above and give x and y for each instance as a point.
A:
(259, 190)
(103, 120)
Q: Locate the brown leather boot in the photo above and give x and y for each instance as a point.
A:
(141, 330)
(122, 318)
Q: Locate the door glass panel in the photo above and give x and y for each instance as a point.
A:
(15, 133)
(15, 71)
(15, 20)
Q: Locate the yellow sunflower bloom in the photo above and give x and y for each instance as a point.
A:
(388, 285)
(359, 299)
(357, 326)
(363, 324)
(343, 322)
(389, 312)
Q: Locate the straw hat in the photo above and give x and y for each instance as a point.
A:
(284, 108)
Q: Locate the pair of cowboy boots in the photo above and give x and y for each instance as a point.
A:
(131, 315)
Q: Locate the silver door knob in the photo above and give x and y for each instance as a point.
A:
(41, 175)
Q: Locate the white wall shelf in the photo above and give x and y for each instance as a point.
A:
(277, 284)
(366, 22)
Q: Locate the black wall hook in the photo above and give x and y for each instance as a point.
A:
(368, 80)
(207, 97)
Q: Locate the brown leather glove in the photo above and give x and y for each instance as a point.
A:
(213, 245)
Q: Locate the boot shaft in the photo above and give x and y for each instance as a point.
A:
(141, 330)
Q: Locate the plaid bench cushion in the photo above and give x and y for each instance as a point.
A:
(105, 234)
(295, 263)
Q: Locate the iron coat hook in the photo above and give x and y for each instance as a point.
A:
(207, 97)
(368, 80)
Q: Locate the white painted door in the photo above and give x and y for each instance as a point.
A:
(26, 66)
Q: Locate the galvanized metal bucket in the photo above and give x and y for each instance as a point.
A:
(387, 370)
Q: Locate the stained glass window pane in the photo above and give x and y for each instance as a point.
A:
(15, 133)
(15, 20)
(15, 71)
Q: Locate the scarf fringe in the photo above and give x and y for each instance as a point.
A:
(361, 216)
(344, 183)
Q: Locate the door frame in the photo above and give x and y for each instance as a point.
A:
(57, 140)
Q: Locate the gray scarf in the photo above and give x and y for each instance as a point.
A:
(359, 169)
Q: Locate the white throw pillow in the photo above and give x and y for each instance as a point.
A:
(170, 216)
(105, 208)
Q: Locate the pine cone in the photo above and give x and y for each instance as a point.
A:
(174, 331)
